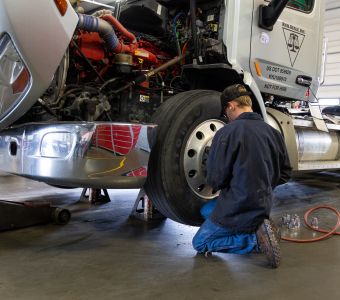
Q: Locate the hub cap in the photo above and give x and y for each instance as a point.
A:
(195, 157)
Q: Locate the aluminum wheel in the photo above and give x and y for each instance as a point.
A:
(195, 157)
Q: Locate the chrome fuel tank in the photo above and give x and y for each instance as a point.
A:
(317, 145)
(309, 148)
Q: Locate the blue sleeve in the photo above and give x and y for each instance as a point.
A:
(222, 155)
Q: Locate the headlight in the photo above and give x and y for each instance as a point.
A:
(14, 76)
(57, 144)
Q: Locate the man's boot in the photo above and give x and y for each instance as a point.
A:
(268, 242)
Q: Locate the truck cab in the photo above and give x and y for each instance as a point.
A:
(128, 96)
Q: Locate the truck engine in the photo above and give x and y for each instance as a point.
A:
(107, 53)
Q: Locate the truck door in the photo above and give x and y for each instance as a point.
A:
(293, 48)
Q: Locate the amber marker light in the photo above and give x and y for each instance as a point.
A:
(62, 6)
(20, 84)
(258, 70)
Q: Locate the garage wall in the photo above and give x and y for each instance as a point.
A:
(3, 174)
(331, 87)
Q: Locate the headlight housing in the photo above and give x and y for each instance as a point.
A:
(57, 144)
(14, 76)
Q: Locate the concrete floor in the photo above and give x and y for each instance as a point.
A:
(102, 254)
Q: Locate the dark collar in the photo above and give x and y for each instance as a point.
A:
(249, 116)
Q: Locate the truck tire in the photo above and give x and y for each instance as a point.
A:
(176, 183)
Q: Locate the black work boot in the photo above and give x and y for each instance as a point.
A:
(267, 239)
(277, 229)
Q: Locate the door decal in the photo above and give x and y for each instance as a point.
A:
(294, 37)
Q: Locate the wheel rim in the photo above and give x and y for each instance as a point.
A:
(195, 157)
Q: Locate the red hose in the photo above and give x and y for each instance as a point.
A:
(327, 233)
(115, 23)
(123, 48)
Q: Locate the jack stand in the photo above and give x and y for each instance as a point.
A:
(147, 212)
(95, 196)
(22, 214)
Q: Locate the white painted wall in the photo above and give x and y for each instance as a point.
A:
(331, 87)
(3, 174)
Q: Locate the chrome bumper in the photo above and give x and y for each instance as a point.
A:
(97, 155)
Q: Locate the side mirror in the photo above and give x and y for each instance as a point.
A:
(270, 13)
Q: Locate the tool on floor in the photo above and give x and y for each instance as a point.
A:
(22, 214)
(290, 222)
(314, 225)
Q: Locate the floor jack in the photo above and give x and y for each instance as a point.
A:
(144, 209)
(22, 214)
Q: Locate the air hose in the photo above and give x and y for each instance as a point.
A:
(326, 234)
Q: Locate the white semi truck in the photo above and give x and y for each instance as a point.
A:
(129, 97)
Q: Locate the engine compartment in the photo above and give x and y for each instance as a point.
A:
(145, 35)
(109, 50)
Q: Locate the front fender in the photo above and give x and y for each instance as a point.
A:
(250, 82)
(40, 36)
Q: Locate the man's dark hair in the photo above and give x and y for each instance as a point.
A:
(231, 93)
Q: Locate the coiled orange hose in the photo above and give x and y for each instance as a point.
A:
(327, 233)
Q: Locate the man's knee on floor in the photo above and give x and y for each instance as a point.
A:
(198, 245)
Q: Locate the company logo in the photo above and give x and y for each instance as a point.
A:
(294, 39)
